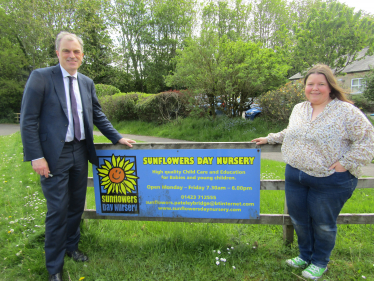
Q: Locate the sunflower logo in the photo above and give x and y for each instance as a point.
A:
(117, 176)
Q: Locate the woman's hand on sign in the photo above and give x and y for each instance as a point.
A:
(260, 141)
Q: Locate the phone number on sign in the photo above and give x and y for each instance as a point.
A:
(202, 197)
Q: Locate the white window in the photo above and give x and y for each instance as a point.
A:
(357, 85)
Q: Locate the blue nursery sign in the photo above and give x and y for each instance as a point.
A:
(190, 183)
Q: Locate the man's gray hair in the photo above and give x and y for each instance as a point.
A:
(69, 36)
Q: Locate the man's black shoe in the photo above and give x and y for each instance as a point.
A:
(55, 277)
(77, 255)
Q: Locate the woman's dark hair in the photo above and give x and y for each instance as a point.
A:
(336, 90)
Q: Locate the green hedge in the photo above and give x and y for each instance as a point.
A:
(162, 107)
(121, 106)
(106, 90)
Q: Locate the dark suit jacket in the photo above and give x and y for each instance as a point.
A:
(44, 116)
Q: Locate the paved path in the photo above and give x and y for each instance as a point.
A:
(7, 129)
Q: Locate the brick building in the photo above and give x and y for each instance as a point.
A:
(354, 74)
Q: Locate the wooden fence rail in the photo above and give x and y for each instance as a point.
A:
(275, 219)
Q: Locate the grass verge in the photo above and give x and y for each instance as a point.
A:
(222, 129)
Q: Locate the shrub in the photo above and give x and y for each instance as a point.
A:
(277, 105)
(147, 109)
(165, 106)
(369, 88)
(121, 106)
(106, 90)
(362, 102)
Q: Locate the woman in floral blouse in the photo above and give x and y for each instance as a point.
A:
(326, 143)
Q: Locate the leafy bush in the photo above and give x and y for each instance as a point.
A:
(362, 102)
(147, 109)
(369, 88)
(277, 105)
(165, 106)
(106, 90)
(121, 106)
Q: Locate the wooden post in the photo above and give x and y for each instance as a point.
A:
(287, 229)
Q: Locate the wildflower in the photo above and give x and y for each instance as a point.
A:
(229, 253)
(11, 231)
(232, 248)
(222, 259)
(81, 278)
(219, 252)
(217, 262)
(11, 222)
(214, 251)
(228, 249)
(233, 267)
(363, 277)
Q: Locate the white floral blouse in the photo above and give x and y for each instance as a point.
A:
(340, 133)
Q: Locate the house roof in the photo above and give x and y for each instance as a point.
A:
(356, 66)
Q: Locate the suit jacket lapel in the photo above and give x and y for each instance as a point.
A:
(58, 82)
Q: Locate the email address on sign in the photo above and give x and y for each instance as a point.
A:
(202, 209)
(197, 203)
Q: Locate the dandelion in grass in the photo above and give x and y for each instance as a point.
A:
(117, 175)
(80, 279)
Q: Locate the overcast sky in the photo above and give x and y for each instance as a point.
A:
(366, 5)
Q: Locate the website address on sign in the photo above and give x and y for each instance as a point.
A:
(202, 209)
(202, 203)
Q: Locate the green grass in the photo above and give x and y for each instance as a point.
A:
(222, 129)
(136, 250)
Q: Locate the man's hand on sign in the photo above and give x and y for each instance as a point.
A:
(127, 142)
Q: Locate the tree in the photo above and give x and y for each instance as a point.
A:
(269, 18)
(227, 18)
(150, 32)
(233, 71)
(13, 73)
(334, 35)
(91, 24)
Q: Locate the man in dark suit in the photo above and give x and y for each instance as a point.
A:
(59, 109)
